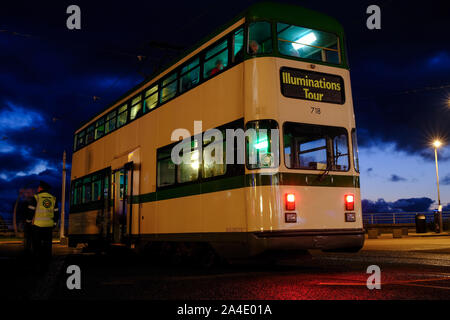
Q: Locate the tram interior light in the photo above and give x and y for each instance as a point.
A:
(262, 144)
(305, 40)
(194, 159)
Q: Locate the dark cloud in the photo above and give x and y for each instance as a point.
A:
(401, 205)
(12, 163)
(396, 178)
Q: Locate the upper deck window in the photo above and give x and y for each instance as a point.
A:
(190, 75)
(136, 107)
(151, 98)
(169, 87)
(110, 121)
(99, 128)
(307, 43)
(90, 134)
(216, 59)
(259, 38)
(80, 142)
(238, 45)
(123, 115)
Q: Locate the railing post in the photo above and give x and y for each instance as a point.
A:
(393, 215)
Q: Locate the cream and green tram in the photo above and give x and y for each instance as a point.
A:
(274, 69)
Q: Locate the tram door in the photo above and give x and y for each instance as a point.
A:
(122, 191)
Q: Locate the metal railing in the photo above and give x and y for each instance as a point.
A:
(399, 217)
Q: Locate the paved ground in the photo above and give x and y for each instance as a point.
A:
(411, 268)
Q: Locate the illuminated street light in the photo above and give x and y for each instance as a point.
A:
(436, 145)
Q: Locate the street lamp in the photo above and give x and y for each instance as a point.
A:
(436, 145)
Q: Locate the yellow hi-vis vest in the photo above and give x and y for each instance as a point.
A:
(45, 210)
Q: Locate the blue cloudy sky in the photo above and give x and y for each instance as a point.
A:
(49, 76)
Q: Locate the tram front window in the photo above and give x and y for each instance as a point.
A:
(307, 43)
(259, 38)
(314, 147)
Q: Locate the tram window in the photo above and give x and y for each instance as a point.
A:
(76, 192)
(99, 128)
(169, 87)
(122, 184)
(238, 45)
(151, 98)
(110, 124)
(123, 115)
(166, 168)
(211, 153)
(86, 190)
(315, 147)
(259, 38)
(259, 150)
(216, 59)
(312, 154)
(96, 187)
(136, 108)
(80, 142)
(307, 43)
(332, 56)
(106, 187)
(90, 134)
(340, 161)
(190, 75)
(188, 171)
(355, 150)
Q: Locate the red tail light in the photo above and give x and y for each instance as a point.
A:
(290, 201)
(349, 202)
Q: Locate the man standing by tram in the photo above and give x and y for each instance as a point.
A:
(42, 214)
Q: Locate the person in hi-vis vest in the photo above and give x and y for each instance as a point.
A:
(43, 214)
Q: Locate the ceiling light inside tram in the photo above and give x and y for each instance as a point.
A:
(310, 38)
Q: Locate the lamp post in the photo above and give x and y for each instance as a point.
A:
(436, 145)
(63, 199)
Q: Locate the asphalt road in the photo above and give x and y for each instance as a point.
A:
(411, 268)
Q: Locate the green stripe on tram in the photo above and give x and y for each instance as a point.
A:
(250, 180)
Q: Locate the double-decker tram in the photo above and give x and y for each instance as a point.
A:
(274, 69)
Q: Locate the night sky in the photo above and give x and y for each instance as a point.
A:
(49, 76)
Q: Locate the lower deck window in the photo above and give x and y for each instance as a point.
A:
(314, 147)
(262, 144)
(166, 168)
(89, 190)
(198, 164)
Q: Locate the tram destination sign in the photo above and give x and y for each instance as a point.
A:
(314, 86)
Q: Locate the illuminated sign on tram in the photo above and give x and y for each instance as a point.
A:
(315, 86)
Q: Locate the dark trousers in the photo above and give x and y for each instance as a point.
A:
(27, 241)
(42, 244)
